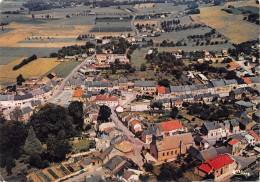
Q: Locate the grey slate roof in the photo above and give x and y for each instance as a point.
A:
(23, 97)
(46, 89)
(234, 123)
(114, 162)
(219, 83)
(145, 83)
(210, 126)
(229, 82)
(254, 79)
(6, 97)
(35, 103)
(244, 104)
(99, 84)
(207, 154)
(26, 110)
(150, 130)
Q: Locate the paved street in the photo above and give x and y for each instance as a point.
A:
(59, 91)
(241, 63)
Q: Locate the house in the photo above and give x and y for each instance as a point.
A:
(106, 126)
(27, 112)
(148, 134)
(104, 100)
(170, 147)
(210, 130)
(253, 134)
(234, 126)
(245, 123)
(168, 128)
(177, 54)
(145, 87)
(139, 107)
(119, 108)
(108, 154)
(235, 146)
(87, 163)
(218, 166)
(77, 96)
(245, 105)
(135, 126)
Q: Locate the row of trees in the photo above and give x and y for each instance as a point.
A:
(24, 62)
(182, 27)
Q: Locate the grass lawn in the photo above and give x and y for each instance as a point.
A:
(80, 145)
(138, 57)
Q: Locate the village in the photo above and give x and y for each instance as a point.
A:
(213, 123)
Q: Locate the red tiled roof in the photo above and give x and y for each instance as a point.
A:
(105, 98)
(106, 129)
(117, 106)
(134, 122)
(177, 103)
(219, 162)
(233, 142)
(254, 135)
(205, 167)
(161, 90)
(171, 125)
(247, 80)
(78, 93)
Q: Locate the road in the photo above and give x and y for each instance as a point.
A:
(137, 34)
(241, 63)
(59, 91)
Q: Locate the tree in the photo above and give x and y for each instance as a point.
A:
(143, 67)
(50, 120)
(148, 167)
(76, 111)
(57, 147)
(104, 113)
(164, 82)
(174, 112)
(12, 134)
(20, 79)
(33, 145)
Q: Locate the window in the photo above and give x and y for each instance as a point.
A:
(175, 151)
(172, 153)
(167, 153)
(163, 154)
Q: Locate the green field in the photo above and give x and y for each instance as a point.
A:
(26, 51)
(6, 60)
(111, 29)
(64, 68)
(252, 9)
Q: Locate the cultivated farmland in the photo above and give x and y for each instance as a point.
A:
(35, 68)
(231, 26)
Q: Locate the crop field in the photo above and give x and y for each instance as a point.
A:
(160, 8)
(5, 30)
(218, 47)
(46, 40)
(63, 69)
(35, 68)
(231, 26)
